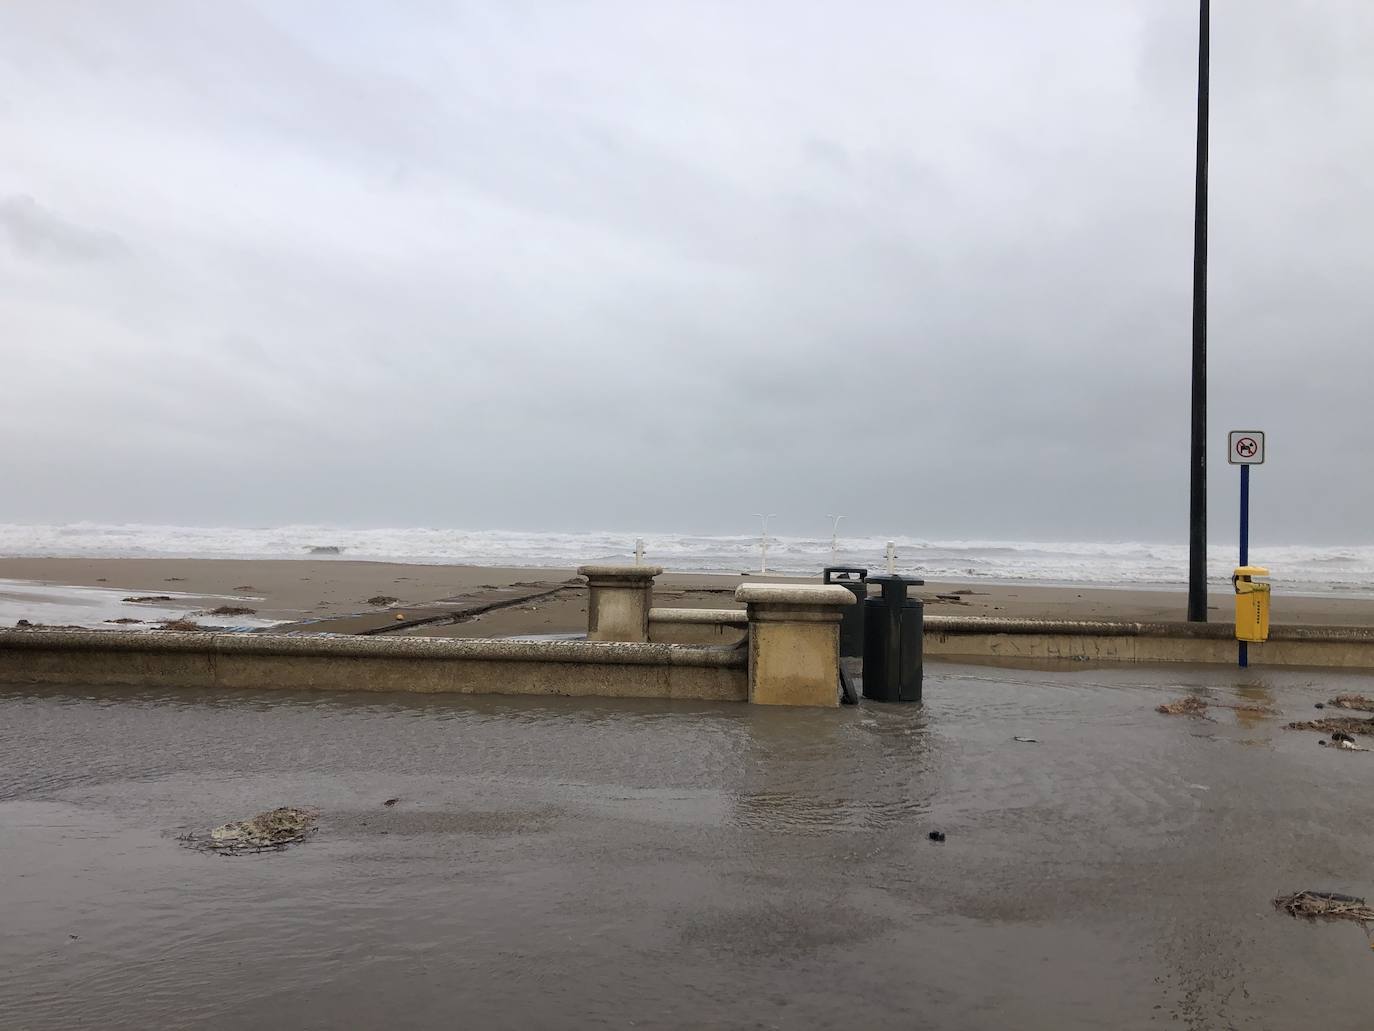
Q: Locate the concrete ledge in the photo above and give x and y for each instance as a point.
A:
(793, 594)
(620, 573)
(1078, 627)
(1087, 640)
(264, 661)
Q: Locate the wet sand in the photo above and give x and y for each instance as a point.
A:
(561, 863)
(319, 589)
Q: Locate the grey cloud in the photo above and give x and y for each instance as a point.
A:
(36, 232)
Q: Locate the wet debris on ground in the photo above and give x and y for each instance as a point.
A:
(233, 610)
(1195, 706)
(937, 835)
(1325, 905)
(245, 587)
(147, 599)
(1343, 741)
(1190, 706)
(1352, 701)
(124, 620)
(1337, 724)
(390, 802)
(382, 599)
(325, 549)
(185, 626)
(1026, 740)
(271, 831)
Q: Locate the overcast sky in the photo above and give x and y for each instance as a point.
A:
(659, 266)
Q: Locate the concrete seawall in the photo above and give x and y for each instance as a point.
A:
(972, 637)
(716, 672)
(263, 661)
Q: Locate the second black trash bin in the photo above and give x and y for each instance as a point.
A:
(852, 621)
(894, 626)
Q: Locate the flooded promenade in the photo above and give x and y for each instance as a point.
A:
(584, 863)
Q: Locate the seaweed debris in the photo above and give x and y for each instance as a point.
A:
(271, 831)
(186, 626)
(1325, 905)
(1337, 725)
(1190, 706)
(1352, 701)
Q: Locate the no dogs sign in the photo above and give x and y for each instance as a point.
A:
(1245, 447)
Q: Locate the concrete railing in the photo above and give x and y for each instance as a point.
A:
(1099, 640)
(698, 626)
(424, 664)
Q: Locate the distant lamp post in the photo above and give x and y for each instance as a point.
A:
(763, 543)
(834, 537)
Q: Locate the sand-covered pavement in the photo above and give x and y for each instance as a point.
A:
(90, 591)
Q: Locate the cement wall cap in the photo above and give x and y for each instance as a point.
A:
(620, 572)
(591, 653)
(794, 594)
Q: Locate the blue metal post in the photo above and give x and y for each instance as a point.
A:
(1244, 543)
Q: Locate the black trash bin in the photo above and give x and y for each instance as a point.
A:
(852, 622)
(893, 629)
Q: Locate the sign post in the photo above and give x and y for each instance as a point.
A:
(1245, 448)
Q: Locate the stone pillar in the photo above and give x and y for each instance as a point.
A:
(794, 642)
(619, 602)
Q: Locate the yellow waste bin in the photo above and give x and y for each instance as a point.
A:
(1252, 603)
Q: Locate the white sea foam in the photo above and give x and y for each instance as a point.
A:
(1308, 568)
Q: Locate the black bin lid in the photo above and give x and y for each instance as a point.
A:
(861, 570)
(896, 578)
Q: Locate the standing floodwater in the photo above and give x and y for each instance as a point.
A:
(562, 863)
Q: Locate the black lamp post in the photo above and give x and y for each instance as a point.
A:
(1197, 537)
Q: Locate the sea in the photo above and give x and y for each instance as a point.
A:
(1347, 569)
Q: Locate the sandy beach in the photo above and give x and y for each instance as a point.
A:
(324, 593)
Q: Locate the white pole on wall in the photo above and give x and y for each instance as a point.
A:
(834, 537)
(639, 551)
(763, 543)
(891, 557)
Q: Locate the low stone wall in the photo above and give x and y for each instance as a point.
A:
(421, 664)
(973, 637)
(698, 626)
